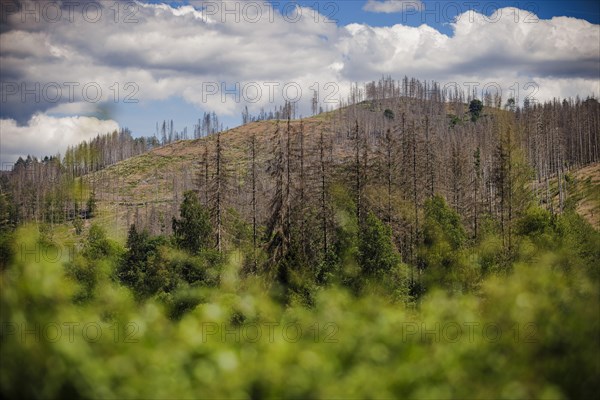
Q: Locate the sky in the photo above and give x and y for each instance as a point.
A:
(70, 70)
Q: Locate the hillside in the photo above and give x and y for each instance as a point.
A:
(585, 192)
(374, 295)
(160, 177)
(426, 152)
(363, 234)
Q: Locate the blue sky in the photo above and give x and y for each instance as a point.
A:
(350, 11)
(177, 57)
(437, 14)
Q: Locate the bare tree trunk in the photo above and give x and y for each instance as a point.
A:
(358, 172)
(288, 182)
(414, 173)
(253, 151)
(428, 164)
(218, 193)
(302, 183)
(323, 192)
(389, 177)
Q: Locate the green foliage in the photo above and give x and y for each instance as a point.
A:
(328, 268)
(240, 230)
(442, 223)
(454, 120)
(475, 109)
(192, 230)
(143, 268)
(345, 247)
(150, 267)
(78, 225)
(536, 221)
(575, 244)
(364, 260)
(98, 245)
(96, 261)
(583, 242)
(527, 334)
(489, 253)
(7, 208)
(441, 255)
(6, 251)
(377, 254)
(388, 114)
(556, 314)
(91, 205)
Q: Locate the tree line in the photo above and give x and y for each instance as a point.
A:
(384, 180)
(303, 196)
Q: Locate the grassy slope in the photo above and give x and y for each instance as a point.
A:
(585, 191)
(148, 180)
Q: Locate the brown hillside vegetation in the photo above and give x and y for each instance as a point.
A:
(586, 193)
(398, 151)
(392, 147)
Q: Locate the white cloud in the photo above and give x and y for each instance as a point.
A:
(393, 6)
(46, 135)
(561, 52)
(74, 108)
(178, 51)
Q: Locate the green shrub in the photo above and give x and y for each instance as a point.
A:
(376, 254)
(528, 333)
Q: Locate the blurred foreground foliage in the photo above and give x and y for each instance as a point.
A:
(149, 320)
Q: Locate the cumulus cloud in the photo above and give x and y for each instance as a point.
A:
(484, 49)
(221, 56)
(47, 135)
(172, 51)
(393, 6)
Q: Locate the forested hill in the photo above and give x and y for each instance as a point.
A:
(391, 152)
(391, 156)
(387, 154)
(398, 210)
